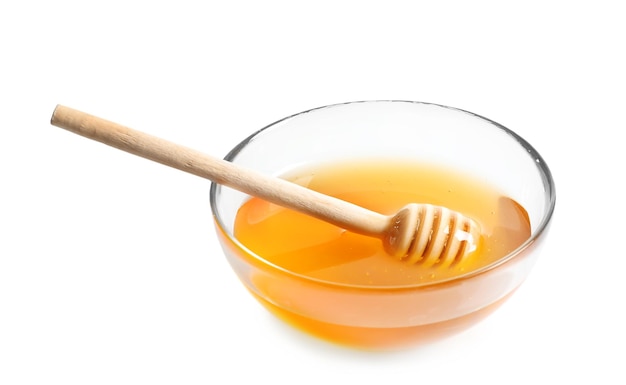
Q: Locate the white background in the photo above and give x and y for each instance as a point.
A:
(110, 270)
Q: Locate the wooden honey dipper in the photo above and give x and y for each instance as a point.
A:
(421, 234)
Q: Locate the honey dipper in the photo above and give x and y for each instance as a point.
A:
(421, 234)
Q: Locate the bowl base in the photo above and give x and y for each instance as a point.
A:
(380, 339)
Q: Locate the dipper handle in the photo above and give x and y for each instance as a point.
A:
(279, 191)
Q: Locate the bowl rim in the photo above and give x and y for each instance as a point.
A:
(543, 225)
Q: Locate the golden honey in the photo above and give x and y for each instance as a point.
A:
(356, 269)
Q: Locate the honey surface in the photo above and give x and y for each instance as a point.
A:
(313, 248)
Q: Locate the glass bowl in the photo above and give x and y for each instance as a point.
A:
(390, 315)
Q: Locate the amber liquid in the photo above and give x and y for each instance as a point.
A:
(313, 248)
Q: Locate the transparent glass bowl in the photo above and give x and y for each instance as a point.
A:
(389, 317)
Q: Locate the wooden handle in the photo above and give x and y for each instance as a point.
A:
(272, 189)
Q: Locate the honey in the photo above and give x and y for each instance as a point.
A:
(315, 251)
(319, 250)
